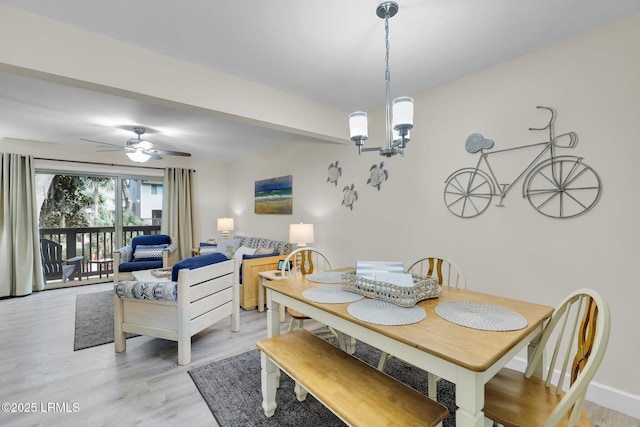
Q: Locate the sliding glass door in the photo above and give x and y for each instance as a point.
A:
(84, 217)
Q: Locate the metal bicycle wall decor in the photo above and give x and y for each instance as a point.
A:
(558, 187)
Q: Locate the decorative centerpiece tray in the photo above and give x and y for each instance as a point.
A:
(404, 296)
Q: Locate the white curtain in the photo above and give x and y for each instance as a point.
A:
(20, 262)
(178, 213)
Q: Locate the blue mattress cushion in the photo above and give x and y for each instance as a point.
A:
(139, 265)
(196, 262)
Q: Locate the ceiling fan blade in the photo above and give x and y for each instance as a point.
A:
(169, 153)
(100, 142)
(105, 151)
(154, 156)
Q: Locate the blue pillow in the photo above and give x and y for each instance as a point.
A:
(208, 248)
(196, 262)
(245, 256)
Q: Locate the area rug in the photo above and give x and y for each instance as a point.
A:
(232, 390)
(94, 320)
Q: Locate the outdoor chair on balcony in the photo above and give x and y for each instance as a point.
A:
(54, 266)
(145, 252)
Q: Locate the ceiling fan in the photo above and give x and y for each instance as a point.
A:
(140, 150)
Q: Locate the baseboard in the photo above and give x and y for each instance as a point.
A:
(601, 394)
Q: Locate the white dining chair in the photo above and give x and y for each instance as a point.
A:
(447, 271)
(307, 260)
(577, 336)
(448, 274)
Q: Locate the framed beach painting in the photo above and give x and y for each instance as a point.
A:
(274, 196)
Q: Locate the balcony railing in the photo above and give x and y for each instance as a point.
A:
(94, 244)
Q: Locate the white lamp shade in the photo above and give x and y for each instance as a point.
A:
(225, 224)
(138, 156)
(403, 112)
(358, 125)
(301, 233)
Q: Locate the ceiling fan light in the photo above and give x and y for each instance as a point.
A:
(145, 145)
(138, 156)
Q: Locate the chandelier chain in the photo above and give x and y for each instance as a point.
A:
(386, 40)
(387, 78)
(402, 122)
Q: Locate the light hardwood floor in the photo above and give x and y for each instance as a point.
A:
(143, 386)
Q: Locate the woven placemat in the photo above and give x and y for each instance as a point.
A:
(384, 313)
(330, 295)
(482, 316)
(325, 277)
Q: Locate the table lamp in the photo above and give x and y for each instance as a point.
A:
(225, 225)
(302, 234)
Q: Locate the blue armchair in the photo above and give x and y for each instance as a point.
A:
(144, 253)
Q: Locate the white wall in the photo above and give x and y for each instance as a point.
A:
(593, 81)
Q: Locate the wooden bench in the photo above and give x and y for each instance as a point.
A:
(357, 393)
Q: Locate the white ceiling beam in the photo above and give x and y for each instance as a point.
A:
(42, 48)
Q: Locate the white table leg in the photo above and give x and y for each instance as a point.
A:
(261, 299)
(268, 376)
(273, 316)
(469, 399)
(270, 372)
(301, 392)
(350, 343)
(531, 349)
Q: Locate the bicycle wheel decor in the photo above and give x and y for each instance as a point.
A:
(468, 192)
(562, 187)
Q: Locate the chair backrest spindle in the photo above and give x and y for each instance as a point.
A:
(447, 272)
(307, 260)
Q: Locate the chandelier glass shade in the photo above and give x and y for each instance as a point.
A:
(399, 114)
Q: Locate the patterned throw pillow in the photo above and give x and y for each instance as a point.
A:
(148, 252)
(264, 251)
(208, 249)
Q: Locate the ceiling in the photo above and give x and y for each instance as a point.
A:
(329, 51)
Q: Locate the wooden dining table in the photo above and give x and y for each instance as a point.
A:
(464, 356)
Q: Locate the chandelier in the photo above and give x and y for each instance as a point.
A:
(400, 122)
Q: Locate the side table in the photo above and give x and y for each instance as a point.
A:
(268, 275)
(102, 265)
